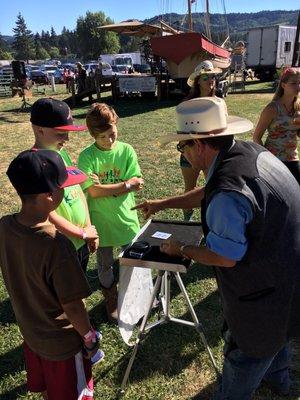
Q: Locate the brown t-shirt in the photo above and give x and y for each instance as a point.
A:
(41, 272)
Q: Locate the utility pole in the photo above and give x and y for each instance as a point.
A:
(208, 21)
(190, 16)
(296, 55)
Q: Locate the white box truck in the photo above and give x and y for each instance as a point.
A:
(269, 48)
(127, 59)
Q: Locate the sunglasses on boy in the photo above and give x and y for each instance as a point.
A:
(181, 145)
(206, 77)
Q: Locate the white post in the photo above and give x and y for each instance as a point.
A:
(53, 84)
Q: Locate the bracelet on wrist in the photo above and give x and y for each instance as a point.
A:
(127, 186)
(83, 234)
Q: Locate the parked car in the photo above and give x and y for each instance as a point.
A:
(119, 69)
(6, 71)
(142, 68)
(91, 68)
(38, 76)
(53, 70)
(69, 66)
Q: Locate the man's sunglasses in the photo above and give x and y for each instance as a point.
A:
(180, 146)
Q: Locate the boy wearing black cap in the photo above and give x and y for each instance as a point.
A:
(51, 121)
(45, 283)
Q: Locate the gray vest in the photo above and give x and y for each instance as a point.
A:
(261, 294)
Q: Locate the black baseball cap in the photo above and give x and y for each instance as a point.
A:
(41, 171)
(52, 113)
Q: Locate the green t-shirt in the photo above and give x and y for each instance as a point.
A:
(72, 207)
(115, 222)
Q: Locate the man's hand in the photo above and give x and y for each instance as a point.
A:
(136, 183)
(93, 245)
(149, 207)
(171, 247)
(91, 232)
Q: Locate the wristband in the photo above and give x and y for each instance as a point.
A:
(127, 186)
(90, 336)
(83, 234)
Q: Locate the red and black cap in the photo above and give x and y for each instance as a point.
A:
(52, 113)
(41, 171)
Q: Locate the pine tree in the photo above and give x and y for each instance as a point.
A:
(4, 50)
(23, 43)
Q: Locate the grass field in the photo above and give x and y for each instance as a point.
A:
(171, 363)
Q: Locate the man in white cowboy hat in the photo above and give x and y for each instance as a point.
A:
(251, 222)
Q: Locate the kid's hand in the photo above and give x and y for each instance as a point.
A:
(87, 353)
(95, 178)
(136, 183)
(91, 232)
(93, 245)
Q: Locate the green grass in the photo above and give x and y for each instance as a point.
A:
(171, 363)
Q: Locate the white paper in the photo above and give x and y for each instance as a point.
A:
(161, 235)
(135, 290)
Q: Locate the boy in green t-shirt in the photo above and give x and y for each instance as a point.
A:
(51, 121)
(115, 175)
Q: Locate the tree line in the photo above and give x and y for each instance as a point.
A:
(87, 41)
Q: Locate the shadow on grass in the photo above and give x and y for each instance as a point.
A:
(165, 349)
(11, 362)
(7, 315)
(10, 121)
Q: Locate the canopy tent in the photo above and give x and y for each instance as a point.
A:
(135, 27)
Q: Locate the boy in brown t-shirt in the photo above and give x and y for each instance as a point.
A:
(45, 284)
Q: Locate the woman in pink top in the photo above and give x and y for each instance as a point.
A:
(281, 118)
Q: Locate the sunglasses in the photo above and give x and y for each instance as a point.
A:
(180, 146)
(206, 77)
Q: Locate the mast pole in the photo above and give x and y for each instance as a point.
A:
(190, 16)
(208, 31)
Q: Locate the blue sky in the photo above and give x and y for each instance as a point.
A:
(41, 14)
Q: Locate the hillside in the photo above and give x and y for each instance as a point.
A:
(238, 23)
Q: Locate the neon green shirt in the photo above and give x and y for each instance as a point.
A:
(115, 222)
(72, 207)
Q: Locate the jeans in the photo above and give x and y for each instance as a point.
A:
(242, 375)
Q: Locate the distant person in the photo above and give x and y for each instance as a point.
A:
(81, 78)
(51, 123)
(45, 282)
(116, 175)
(281, 118)
(202, 83)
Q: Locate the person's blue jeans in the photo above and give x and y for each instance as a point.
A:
(242, 375)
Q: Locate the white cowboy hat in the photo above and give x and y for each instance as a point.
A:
(204, 118)
(205, 67)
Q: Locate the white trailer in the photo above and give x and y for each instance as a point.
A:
(269, 48)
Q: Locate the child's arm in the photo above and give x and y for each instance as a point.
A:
(93, 244)
(67, 228)
(114, 189)
(78, 316)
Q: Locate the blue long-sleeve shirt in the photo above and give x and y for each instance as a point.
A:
(227, 216)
